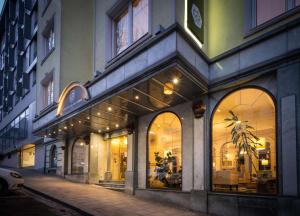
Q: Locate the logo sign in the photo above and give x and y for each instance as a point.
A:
(195, 18)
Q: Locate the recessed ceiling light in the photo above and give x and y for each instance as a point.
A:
(65, 127)
(99, 131)
(54, 132)
(98, 113)
(218, 110)
(59, 130)
(117, 125)
(88, 118)
(79, 122)
(107, 128)
(175, 80)
(72, 125)
(49, 134)
(136, 97)
(109, 109)
(45, 136)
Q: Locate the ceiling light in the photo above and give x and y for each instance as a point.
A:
(65, 127)
(72, 125)
(136, 97)
(54, 132)
(117, 125)
(88, 118)
(45, 136)
(98, 113)
(107, 128)
(99, 131)
(218, 110)
(175, 80)
(49, 134)
(59, 130)
(109, 109)
(168, 88)
(79, 122)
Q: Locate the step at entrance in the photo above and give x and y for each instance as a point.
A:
(113, 185)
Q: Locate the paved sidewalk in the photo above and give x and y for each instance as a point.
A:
(98, 201)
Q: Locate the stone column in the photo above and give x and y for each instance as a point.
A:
(129, 175)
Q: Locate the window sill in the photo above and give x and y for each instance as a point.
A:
(48, 109)
(272, 22)
(129, 49)
(47, 55)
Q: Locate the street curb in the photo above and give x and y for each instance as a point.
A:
(80, 211)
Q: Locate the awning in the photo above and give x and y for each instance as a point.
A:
(120, 109)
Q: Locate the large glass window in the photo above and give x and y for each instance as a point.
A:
(244, 143)
(131, 25)
(268, 9)
(80, 157)
(164, 152)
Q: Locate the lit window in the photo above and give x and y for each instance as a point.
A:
(131, 25)
(80, 157)
(49, 37)
(164, 155)
(268, 9)
(49, 93)
(244, 143)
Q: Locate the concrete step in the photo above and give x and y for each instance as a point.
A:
(113, 185)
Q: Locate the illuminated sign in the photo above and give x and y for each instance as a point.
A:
(72, 96)
(195, 18)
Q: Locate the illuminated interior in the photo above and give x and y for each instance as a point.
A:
(28, 156)
(252, 169)
(118, 157)
(164, 154)
(80, 154)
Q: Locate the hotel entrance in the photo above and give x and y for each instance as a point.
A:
(118, 157)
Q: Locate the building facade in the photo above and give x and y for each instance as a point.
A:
(189, 102)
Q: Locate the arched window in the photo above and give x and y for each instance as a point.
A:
(164, 153)
(53, 157)
(80, 157)
(244, 143)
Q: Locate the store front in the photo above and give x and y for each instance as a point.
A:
(27, 158)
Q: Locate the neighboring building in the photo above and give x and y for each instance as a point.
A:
(19, 148)
(189, 102)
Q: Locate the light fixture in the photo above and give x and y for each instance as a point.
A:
(54, 132)
(264, 162)
(168, 88)
(218, 110)
(49, 134)
(109, 109)
(72, 125)
(81, 143)
(136, 97)
(79, 122)
(99, 131)
(175, 80)
(117, 125)
(45, 136)
(98, 113)
(238, 122)
(65, 127)
(261, 143)
(59, 130)
(88, 118)
(107, 128)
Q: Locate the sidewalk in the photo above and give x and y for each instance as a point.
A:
(95, 200)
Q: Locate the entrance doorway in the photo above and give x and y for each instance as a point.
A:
(118, 157)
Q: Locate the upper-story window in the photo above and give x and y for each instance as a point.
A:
(130, 25)
(266, 10)
(49, 37)
(49, 87)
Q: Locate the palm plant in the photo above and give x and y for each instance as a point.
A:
(242, 136)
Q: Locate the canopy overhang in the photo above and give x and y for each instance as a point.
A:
(119, 108)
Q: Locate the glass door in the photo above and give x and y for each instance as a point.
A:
(118, 157)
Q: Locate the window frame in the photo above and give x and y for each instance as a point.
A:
(210, 161)
(250, 23)
(49, 78)
(49, 27)
(148, 187)
(72, 157)
(118, 9)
